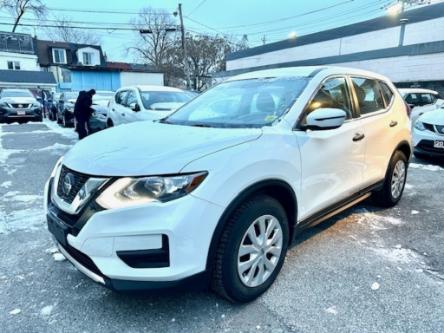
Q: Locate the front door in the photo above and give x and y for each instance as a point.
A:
(332, 161)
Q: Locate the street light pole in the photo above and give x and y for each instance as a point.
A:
(184, 47)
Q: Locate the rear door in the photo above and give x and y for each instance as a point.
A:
(332, 160)
(374, 100)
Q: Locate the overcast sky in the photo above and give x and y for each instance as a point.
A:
(274, 19)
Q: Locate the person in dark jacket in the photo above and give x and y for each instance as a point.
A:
(83, 111)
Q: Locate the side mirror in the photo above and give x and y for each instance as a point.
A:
(325, 118)
(135, 107)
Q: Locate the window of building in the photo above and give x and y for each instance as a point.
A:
(66, 75)
(59, 56)
(14, 65)
(87, 58)
(369, 95)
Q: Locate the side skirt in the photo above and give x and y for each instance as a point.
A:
(337, 208)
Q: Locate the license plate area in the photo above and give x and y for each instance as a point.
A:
(438, 144)
(57, 229)
(21, 113)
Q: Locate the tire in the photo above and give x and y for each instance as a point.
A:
(226, 274)
(390, 194)
(109, 123)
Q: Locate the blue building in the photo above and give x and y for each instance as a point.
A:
(83, 67)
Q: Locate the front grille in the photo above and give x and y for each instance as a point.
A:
(429, 127)
(77, 181)
(20, 106)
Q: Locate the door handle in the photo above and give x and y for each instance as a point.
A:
(358, 137)
(393, 123)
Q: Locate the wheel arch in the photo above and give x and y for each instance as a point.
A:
(276, 188)
(404, 147)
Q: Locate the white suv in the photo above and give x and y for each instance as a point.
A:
(217, 190)
(144, 103)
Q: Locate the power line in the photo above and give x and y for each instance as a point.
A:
(197, 7)
(288, 17)
(70, 27)
(73, 10)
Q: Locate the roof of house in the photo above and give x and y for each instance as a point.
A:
(130, 67)
(415, 15)
(44, 51)
(38, 77)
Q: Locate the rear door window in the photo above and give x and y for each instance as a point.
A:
(368, 94)
(387, 93)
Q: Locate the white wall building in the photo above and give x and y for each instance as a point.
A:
(409, 53)
(137, 78)
(17, 52)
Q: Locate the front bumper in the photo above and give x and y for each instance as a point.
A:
(10, 114)
(423, 143)
(122, 248)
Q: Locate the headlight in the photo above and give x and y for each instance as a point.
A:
(57, 165)
(4, 105)
(126, 192)
(419, 126)
(36, 105)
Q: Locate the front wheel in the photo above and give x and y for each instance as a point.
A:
(394, 182)
(251, 250)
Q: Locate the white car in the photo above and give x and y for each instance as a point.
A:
(428, 134)
(215, 192)
(144, 103)
(420, 101)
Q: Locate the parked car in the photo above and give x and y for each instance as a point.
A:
(65, 109)
(428, 134)
(101, 101)
(19, 105)
(215, 192)
(53, 106)
(145, 103)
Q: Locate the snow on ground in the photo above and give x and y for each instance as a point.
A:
(66, 132)
(428, 167)
(27, 219)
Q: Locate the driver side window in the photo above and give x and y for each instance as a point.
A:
(131, 98)
(333, 93)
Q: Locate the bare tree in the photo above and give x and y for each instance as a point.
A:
(18, 8)
(153, 45)
(66, 33)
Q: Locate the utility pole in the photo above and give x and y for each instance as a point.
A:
(184, 47)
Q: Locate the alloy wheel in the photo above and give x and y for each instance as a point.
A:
(398, 179)
(259, 251)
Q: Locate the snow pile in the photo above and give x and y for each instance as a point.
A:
(428, 167)
(6, 184)
(21, 220)
(398, 255)
(374, 221)
(56, 146)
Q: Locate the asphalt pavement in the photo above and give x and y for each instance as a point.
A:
(367, 270)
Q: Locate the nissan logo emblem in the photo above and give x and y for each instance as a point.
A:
(68, 182)
(20, 105)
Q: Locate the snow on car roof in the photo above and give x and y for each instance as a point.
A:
(304, 71)
(405, 91)
(152, 88)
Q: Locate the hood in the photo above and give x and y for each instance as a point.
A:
(19, 100)
(166, 106)
(435, 117)
(148, 148)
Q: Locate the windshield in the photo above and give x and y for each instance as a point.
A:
(16, 93)
(152, 99)
(243, 103)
